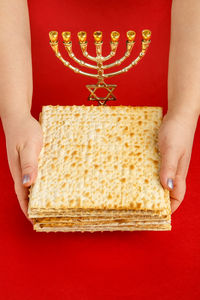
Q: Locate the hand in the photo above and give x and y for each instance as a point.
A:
(24, 143)
(175, 142)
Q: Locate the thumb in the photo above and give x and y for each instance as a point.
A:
(169, 162)
(29, 163)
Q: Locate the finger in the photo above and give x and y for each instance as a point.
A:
(22, 195)
(169, 162)
(20, 190)
(29, 163)
(178, 193)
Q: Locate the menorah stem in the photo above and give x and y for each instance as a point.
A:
(100, 72)
(99, 62)
(99, 49)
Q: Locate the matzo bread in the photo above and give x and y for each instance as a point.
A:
(101, 228)
(99, 161)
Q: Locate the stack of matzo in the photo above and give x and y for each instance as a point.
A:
(99, 170)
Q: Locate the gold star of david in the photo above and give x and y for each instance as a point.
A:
(101, 100)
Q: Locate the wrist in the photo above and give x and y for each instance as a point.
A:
(12, 118)
(186, 114)
(15, 109)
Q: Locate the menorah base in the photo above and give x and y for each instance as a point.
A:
(101, 100)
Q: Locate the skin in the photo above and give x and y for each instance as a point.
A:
(23, 133)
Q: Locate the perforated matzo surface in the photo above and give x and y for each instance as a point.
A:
(99, 159)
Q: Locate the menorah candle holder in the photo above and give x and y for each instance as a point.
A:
(99, 59)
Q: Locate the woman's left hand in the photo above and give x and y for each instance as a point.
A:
(175, 142)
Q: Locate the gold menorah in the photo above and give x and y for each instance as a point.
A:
(99, 59)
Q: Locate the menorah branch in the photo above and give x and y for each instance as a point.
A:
(76, 70)
(126, 69)
(54, 46)
(145, 46)
(68, 47)
(85, 53)
(129, 47)
(113, 46)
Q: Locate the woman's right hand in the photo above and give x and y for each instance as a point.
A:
(24, 140)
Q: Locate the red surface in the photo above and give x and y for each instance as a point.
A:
(137, 265)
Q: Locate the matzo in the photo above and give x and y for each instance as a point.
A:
(99, 161)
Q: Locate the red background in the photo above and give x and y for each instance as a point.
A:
(137, 265)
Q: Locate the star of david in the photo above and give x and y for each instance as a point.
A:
(101, 100)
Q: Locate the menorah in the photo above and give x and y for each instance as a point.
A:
(99, 59)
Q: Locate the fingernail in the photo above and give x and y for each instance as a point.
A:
(170, 183)
(26, 178)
